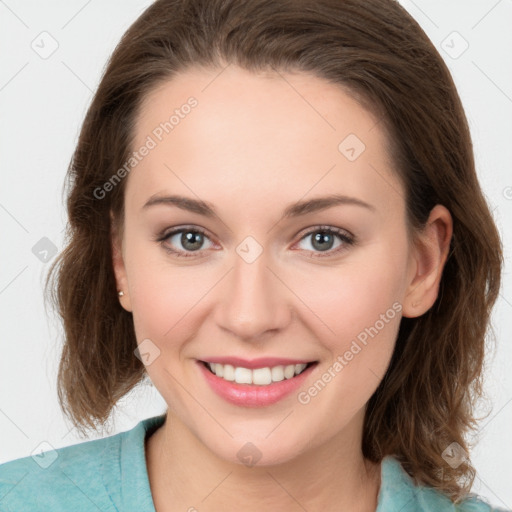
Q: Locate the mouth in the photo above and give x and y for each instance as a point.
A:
(262, 376)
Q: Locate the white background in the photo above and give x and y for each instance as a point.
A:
(42, 104)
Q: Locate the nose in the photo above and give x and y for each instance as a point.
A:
(254, 301)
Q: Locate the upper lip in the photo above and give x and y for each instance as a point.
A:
(260, 362)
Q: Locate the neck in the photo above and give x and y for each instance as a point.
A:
(184, 474)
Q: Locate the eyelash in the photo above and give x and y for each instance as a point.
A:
(343, 235)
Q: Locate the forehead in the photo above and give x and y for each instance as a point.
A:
(260, 139)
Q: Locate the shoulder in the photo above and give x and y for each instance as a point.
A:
(84, 476)
(399, 492)
(62, 477)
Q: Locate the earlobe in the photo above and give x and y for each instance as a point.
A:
(430, 253)
(119, 267)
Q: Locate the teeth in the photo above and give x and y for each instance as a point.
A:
(219, 370)
(243, 375)
(262, 376)
(289, 371)
(277, 373)
(227, 373)
(259, 376)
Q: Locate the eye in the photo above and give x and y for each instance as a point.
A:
(190, 239)
(323, 239)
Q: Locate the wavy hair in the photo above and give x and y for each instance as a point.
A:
(377, 53)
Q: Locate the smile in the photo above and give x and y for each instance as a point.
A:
(255, 387)
(259, 376)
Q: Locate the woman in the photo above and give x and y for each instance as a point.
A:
(227, 142)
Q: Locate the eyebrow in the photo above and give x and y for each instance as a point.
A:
(293, 210)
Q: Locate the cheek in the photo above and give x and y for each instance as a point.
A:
(161, 300)
(167, 299)
(353, 297)
(360, 316)
(357, 312)
(154, 291)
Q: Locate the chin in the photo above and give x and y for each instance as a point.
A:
(250, 451)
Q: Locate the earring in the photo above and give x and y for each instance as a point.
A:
(120, 293)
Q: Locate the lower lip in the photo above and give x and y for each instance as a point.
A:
(249, 395)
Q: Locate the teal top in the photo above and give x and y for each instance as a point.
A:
(110, 475)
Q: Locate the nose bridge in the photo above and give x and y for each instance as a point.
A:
(254, 301)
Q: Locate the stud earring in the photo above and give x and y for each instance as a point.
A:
(120, 293)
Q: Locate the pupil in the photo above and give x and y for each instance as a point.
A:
(321, 238)
(194, 239)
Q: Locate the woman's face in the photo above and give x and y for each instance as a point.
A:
(261, 277)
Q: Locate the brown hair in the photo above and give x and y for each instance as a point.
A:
(379, 54)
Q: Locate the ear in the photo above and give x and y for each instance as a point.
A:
(118, 264)
(430, 252)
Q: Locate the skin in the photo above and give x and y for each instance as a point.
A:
(254, 144)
